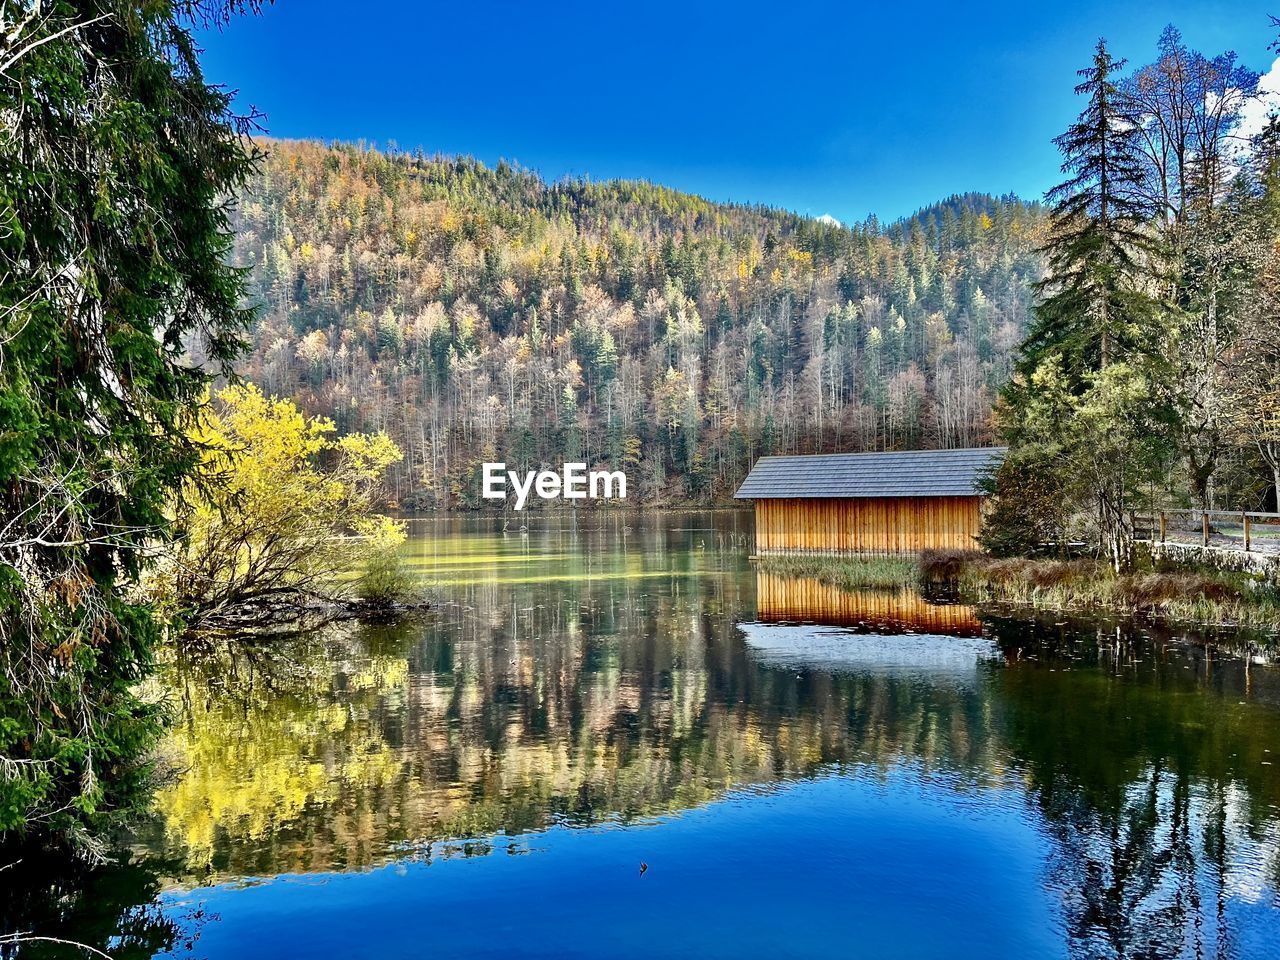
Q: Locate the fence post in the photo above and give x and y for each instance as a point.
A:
(1247, 542)
(1204, 517)
(1164, 526)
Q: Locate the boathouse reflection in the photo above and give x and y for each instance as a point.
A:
(810, 600)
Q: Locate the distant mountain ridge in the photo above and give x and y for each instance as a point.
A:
(481, 313)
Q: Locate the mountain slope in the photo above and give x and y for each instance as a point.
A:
(484, 314)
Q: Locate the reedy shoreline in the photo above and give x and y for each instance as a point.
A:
(1157, 591)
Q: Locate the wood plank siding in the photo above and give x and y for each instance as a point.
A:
(867, 525)
(882, 502)
(791, 599)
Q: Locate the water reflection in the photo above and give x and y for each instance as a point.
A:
(928, 656)
(351, 748)
(116, 909)
(805, 599)
(593, 694)
(1152, 764)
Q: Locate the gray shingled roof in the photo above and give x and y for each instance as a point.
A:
(915, 473)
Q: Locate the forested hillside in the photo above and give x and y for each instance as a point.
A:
(484, 314)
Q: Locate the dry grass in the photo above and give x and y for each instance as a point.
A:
(1196, 596)
(848, 573)
(946, 566)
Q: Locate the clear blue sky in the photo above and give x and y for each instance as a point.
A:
(842, 108)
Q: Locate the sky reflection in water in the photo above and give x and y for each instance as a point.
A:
(589, 697)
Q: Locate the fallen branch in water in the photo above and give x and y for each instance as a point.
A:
(14, 939)
(289, 610)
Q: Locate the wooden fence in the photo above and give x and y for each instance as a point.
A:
(1236, 529)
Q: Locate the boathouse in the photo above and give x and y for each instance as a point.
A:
(869, 502)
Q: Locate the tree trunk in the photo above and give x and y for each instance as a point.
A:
(1116, 532)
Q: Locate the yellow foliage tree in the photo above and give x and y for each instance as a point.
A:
(281, 512)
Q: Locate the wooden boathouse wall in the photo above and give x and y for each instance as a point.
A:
(867, 525)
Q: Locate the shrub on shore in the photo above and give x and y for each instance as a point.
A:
(945, 567)
(279, 512)
(385, 579)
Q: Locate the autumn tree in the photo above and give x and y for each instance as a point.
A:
(1186, 109)
(279, 512)
(1250, 371)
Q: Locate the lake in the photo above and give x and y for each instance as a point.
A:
(612, 739)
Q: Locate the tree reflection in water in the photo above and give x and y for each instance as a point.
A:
(581, 675)
(1150, 761)
(409, 741)
(111, 908)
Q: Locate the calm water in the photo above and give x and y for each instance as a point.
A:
(900, 779)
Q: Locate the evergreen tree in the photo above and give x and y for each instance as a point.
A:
(1083, 406)
(1095, 307)
(116, 159)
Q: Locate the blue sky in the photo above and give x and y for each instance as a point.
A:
(841, 108)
